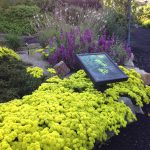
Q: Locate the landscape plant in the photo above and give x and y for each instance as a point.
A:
(75, 41)
(143, 15)
(15, 82)
(13, 41)
(69, 113)
(17, 19)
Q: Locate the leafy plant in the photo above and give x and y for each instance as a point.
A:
(46, 34)
(71, 43)
(17, 19)
(15, 82)
(143, 15)
(13, 41)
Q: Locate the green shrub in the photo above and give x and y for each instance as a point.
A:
(15, 82)
(46, 34)
(106, 19)
(116, 24)
(21, 11)
(17, 19)
(13, 41)
(6, 3)
(68, 114)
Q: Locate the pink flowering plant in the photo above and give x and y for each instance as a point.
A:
(74, 42)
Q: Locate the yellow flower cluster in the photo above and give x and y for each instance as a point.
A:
(51, 70)
(36, 72)
(9, 53)
(133, 88)
(64, 114)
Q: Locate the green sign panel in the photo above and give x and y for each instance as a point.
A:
(101, 68)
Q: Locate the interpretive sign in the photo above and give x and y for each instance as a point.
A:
(100, 68)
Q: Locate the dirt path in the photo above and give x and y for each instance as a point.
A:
(33, 59)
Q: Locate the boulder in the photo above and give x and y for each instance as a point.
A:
(127, 101)
(145, 76)
(130, 63)
(62, 69)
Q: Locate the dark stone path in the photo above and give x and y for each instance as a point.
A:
(141, 48)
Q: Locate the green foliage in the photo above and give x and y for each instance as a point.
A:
(143, 15)
(66, 114)
(21, 11)
(120, 6)
(17, 19)
(105, 19)
(45, 5)
(15, 82)
(13, 41)
(121, 55)
(46, 34)
(116, 23)
(6, 3)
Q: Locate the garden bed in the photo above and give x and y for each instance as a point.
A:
(69, 113)
(134, 137)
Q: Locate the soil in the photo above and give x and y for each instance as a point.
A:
(136, 136)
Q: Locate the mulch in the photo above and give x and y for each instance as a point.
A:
(136, 136)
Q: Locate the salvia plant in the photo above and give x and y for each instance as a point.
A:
(75, 41)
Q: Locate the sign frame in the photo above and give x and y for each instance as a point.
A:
(102, 82)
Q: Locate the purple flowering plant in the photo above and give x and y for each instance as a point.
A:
(74, 42)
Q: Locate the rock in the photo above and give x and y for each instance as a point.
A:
(62, 69)
(145, 76)
(130, 61)
(128, 102)
(33, 46)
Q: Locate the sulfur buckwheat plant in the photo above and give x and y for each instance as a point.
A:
(6, 52)
(36, 72)
(68, 114)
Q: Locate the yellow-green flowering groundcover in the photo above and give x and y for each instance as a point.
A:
(68, 114)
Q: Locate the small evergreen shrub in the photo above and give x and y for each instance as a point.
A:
(13, 41)
(17, 19)
(15, 82)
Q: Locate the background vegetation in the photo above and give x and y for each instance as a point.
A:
(15, 82)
